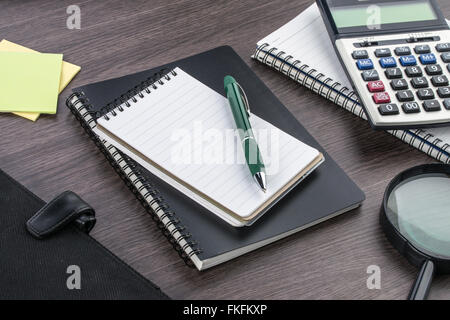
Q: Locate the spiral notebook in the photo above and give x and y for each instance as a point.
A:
(302, 50)
(201, 238)
(176, 129)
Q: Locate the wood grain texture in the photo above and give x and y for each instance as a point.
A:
(328, 261)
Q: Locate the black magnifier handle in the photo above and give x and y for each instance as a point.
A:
(421, 286)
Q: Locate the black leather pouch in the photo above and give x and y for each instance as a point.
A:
(46, 251)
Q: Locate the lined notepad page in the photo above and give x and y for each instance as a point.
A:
(306, 38)
(184, 114)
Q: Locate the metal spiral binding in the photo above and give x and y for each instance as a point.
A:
(145, 87)
(308, 77)
(344, 97)
(150, 198)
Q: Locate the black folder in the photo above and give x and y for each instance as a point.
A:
(33, 268)
(201, 238)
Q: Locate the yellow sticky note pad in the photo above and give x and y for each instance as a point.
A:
(68, 71)
(29, 81)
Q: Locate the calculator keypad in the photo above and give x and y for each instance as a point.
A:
(407, 79)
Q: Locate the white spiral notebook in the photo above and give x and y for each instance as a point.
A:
(302, 50)
(178, 131)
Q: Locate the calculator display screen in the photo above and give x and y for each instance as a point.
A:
(369, 16)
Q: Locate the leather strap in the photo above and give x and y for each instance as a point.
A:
(63, 210)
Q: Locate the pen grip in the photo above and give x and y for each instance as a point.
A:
(253, 155)
(237, 107)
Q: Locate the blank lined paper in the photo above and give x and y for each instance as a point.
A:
(179, 132)
(306, 38)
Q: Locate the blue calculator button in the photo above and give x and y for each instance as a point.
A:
(408, 61)
(428, 58)
(365, 64)
(388, 62)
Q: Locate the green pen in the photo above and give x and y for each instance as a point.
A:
(241, 113)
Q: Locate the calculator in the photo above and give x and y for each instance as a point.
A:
(397, 57)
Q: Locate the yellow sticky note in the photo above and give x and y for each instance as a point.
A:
(29, 81)
(68, 71)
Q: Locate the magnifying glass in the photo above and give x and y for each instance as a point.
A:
(415, 216)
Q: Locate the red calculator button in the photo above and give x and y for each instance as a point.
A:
(381, 97)
(375, 86)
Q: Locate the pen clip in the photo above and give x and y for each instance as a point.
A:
(244, 98)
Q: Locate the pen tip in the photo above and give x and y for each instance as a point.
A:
(260, 178)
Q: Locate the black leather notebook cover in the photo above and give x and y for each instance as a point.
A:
(326, 192)
(37, 269)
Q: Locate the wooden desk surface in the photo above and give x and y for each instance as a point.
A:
(328, 261)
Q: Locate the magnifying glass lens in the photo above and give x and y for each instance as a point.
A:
(419, 208)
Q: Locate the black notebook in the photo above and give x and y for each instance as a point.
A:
(199, 236)
(184, 132)
(40, 269)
